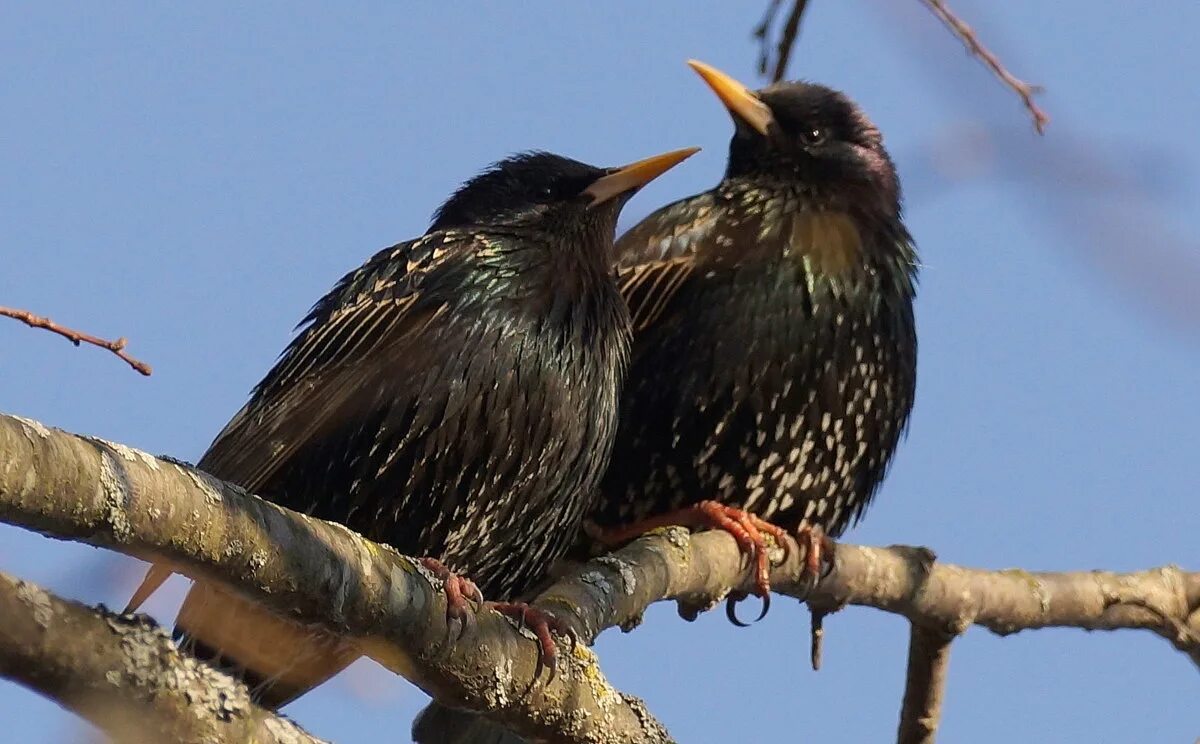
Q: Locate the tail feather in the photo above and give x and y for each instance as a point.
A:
(280, 660)
(158, 573)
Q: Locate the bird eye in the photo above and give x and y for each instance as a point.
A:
(814, 137)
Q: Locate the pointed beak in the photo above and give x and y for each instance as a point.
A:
(737, 98)
(635, 175)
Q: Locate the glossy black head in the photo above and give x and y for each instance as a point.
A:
(520, 189)
(807, 133)
(543, 190)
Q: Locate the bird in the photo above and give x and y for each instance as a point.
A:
(454, 397)
(773, 363)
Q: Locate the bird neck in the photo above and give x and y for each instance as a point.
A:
(833, 239)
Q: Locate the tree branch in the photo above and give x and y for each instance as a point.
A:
(787, 39)
(77, 337)
(790, 33)
(928, 662)
(110, 495)
(316, 572)
(125, 675)
(967, 36)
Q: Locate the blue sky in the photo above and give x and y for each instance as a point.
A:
(193, 176)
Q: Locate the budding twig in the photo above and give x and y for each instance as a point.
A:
(77, 337)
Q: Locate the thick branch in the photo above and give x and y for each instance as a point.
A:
(124, 674)
(110, 495)
(698, 570)
(77, 337)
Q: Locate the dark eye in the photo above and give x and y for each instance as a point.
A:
(814, 137)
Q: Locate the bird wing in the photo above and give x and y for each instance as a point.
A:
(350, 340)
(370, 317)
(658, 255)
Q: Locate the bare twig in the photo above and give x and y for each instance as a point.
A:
(761, 33)
(77, 337)
(787, 38)
(968, 37)
(125, 675)
(791, 33)
(928, 661)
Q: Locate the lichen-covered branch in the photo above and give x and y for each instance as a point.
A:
(940, 600)
(698, 570)
(110, 495)
(125, 675)
(106, 494)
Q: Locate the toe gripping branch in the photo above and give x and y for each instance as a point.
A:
(818, 561)
(745, 528)
(541, 623)
(460, 615)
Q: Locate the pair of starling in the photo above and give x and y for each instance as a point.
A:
(459, 395)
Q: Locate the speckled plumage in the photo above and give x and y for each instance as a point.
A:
(453, 397)
(774, 359)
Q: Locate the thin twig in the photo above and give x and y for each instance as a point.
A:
(967, 35)
(787, 38)
(928, 661)
(761, 32)
(77, 337)
(817, 636)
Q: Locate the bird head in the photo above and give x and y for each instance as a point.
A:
(805, 133)
(547, 191)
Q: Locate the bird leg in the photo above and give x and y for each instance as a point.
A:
(818, 556)
(745, 528)
(458, 590)
(541, 623)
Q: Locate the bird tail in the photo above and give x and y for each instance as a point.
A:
(279, 660)
(439, 724)
(158, 573)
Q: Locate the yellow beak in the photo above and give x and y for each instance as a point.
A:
(635, 175)
(737, 98)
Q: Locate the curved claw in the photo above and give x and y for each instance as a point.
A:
(735, 599)
(766, 606)
(818, 558)
(572, 639)
(828, 554)
(541, 624)
(808, 582)
(731, 603)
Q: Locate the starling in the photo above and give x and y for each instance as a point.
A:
(454, 397)
(773, 363)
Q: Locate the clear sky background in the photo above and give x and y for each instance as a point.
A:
(194, 175)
